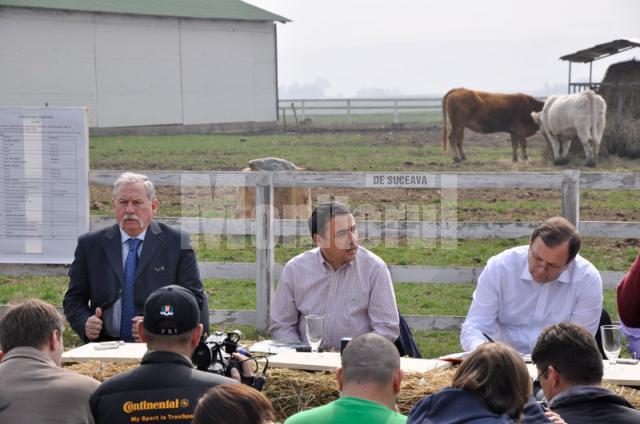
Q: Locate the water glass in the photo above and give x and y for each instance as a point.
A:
(611, 341)
(313, 324)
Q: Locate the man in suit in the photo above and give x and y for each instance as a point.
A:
(115, 269)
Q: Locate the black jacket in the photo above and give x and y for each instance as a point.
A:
(164, 388)
(458, 406)
(95, 276)
(592, 404)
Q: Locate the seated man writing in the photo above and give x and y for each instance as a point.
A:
(348, 285)
(527, 288)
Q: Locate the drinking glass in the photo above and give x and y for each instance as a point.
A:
(611, 341)
(314, 332)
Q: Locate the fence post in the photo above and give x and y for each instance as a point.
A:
(304, 111)
(396, 117)
(349, 111)
(571, 197)
(265, 258)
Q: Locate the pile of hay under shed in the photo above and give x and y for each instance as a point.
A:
(620, 88)
(292, 391)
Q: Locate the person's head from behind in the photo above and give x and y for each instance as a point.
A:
(497, 375)
(233, 404)
(333, 229)
(35, 324)
(134, 202)
(171, 320)
(370, 364)
(553, 245)
(566, 355)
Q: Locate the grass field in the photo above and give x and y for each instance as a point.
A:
(413, 299)
(390, 151)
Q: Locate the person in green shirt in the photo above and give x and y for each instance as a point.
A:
(369, 381)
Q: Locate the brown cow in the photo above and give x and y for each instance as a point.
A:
(488, 113)
(289, 202)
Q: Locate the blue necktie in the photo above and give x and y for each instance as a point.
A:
(128, 309)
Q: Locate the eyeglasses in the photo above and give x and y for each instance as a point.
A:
(537, 380)
(541, 373)
(538, 262)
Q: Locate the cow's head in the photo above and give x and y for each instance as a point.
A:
(537, 117)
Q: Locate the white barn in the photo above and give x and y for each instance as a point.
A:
(141, 62)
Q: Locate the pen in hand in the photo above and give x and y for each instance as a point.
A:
(486, 336)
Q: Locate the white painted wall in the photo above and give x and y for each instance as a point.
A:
(138, 70)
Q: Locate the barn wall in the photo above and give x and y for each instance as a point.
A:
(228, 71)
(47, 57)
(138, 70)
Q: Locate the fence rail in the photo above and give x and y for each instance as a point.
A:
(265, 271)
(358, 106)
(463, 180)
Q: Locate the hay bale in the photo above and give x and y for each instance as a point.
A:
(621, 90)
(293, 391)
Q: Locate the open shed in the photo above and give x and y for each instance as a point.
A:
(592, 54)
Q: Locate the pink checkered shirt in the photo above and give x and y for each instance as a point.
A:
(357, 298)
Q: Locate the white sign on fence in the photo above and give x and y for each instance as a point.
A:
(44, 185)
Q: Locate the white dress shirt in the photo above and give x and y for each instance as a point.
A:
(509, 306)
(357, 298)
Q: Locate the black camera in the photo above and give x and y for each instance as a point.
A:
(214, 354)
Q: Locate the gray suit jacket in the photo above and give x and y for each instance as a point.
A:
(40, 392)
(96, 274)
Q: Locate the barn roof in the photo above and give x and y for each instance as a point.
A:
(202, 9)
(603, 50)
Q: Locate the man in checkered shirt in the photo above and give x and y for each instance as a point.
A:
(338, 279)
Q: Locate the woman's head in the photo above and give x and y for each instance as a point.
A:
(233, 403)
(498, 376)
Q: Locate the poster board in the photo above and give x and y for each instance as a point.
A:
(44, 183)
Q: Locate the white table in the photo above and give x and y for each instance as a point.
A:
(329, 361)
(622, 374)
(124, 352)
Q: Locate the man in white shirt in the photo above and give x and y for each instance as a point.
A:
(525, 289)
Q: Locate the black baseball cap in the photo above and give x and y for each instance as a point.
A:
(171, 310)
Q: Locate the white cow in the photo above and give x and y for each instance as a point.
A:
(563, 118)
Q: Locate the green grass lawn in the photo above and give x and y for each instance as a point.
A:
(605, 254)
(413, 299)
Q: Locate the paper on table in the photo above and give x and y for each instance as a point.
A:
(455, 358)
(271, 346)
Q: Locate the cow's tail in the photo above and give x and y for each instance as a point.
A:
(594, 120)
(445, 117)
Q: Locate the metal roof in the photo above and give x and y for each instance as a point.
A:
(202, 9)
(601, 51)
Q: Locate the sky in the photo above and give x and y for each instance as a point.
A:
(346, 48)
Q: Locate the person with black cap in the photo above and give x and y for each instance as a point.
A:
(165, 387)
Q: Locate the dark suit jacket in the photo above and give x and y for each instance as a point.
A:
(96, 274)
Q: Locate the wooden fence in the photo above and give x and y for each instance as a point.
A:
(349, 107)
(265, 228)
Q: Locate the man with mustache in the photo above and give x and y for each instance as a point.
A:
(116, 268)
(340, 280)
